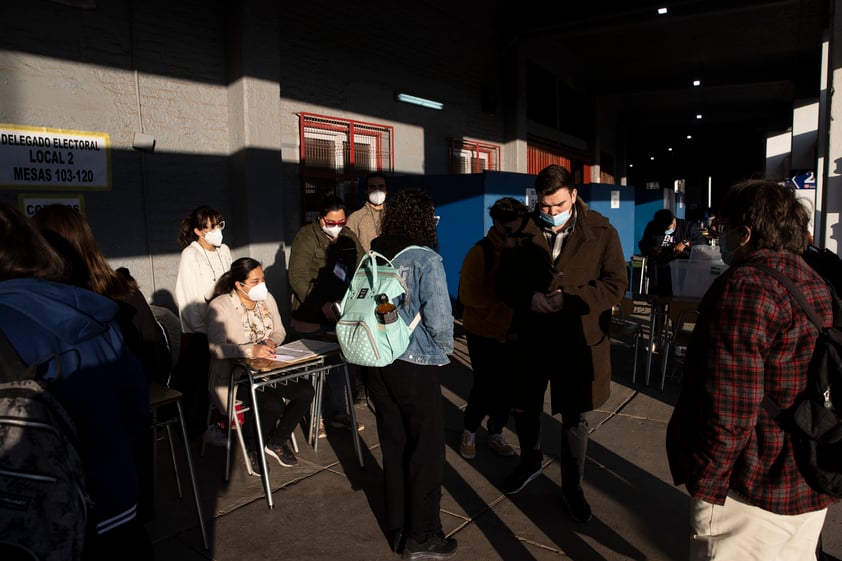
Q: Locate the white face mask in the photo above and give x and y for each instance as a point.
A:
(214, 237)
(332, 231)
(258, 292)
(377, 198)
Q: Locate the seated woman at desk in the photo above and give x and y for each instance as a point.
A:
(244, 322)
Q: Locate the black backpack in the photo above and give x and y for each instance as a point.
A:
(488, 261)
(43, 503)
(827, 264)
(813, 422)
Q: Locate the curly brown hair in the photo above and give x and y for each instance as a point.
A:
(778, 220)
(410, 214)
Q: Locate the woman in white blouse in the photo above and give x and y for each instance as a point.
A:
(204, 259)
(244, 322)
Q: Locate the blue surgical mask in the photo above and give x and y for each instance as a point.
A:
(669, 232)
(557, 220)
(727, 254)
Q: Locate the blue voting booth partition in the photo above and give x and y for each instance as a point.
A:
(617, 202)
(462, 202)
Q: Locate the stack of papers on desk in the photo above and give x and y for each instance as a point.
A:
(303, 349)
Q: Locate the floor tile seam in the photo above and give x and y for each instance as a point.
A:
(219, 513)
(641, 418)
(615, 412)
(539, 545)
(471, 520)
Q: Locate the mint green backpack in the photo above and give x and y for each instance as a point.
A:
(366, 337)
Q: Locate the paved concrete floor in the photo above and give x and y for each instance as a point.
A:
(329, 508)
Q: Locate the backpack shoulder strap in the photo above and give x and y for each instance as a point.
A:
(487, 253)
(11, 367)
(794, 290)
(770, 405)
(415, 320)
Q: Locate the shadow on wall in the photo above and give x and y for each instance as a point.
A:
(277, 282)
(164, 299)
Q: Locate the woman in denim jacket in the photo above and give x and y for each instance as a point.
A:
(407, 393)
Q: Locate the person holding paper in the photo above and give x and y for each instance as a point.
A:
(244, 322)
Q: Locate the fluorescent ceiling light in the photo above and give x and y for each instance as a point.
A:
(698, 115)
(423, 102)
(697, 82)
(662, 11)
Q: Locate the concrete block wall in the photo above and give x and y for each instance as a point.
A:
(219, 85)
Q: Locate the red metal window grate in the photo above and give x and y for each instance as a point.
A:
(471, 156)
(335, 153)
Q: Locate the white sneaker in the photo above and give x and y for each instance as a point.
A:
(215, 436)
(468, 447)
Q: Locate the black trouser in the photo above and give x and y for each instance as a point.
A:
(277, 419)
(410, 425)
(489, 394)
(574, 443)
(529, 408)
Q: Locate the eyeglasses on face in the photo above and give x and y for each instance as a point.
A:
(330, 223)
(719, 227)
(217, 226)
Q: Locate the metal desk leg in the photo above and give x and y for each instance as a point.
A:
(349, 396)
(261, 450)
(228, 424)
(650, 343)
(316, 411)
(192, 470)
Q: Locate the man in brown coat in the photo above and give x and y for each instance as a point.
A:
(562, 276)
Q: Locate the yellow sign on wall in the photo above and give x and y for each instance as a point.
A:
(41, 157)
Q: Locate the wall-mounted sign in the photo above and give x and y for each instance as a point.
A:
(40, 157)
(30, 204)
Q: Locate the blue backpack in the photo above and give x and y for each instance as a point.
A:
(366, 337)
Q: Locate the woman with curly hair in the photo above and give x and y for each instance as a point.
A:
(407, 393)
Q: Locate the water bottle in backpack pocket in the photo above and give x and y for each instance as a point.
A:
(366, 337)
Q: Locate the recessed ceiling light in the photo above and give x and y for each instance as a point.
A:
(631, 165)
(662, 11)
(697, 82)
(698, 115)
(669, 149)
(689, 136)
(652, 158)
